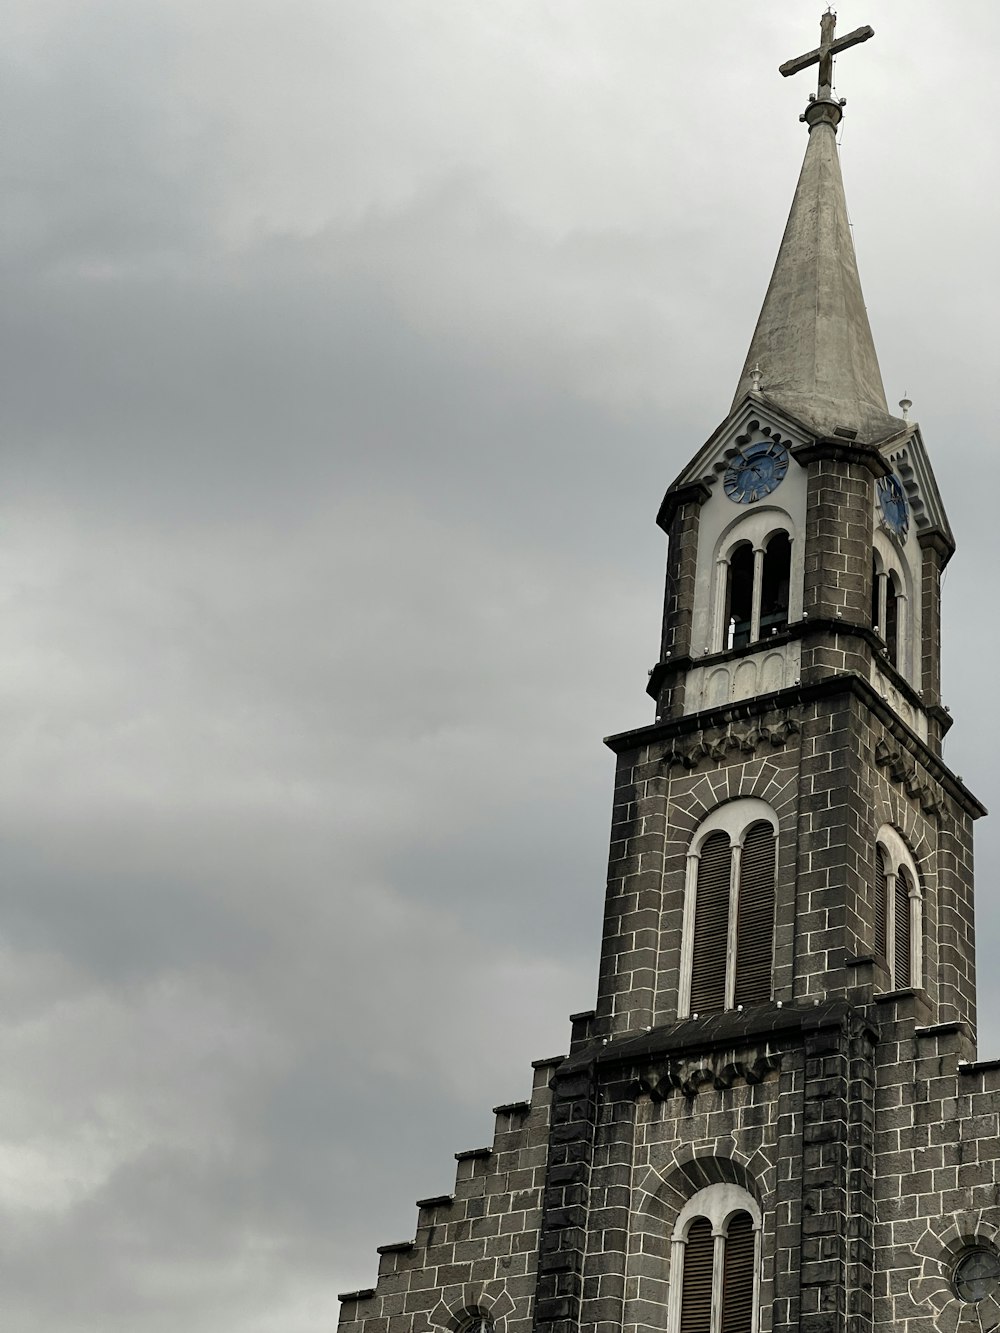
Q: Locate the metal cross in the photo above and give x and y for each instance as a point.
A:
(824, 53)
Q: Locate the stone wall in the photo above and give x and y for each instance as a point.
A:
(475, 1250)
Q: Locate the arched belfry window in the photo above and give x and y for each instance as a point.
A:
(715, 1263)
(739, 596)
(729, 910)
(898, 911)
(753, 585)
(888, 608)
(776, 573)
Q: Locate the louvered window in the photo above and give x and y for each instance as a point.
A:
(711, 925)
(737, 1276)
(696, 1284)
(881, 906)
(755, 917)
(898, 911)
(718, 1268)
(901, 930)
(729, 931)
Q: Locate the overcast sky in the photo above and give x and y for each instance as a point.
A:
(348, 347)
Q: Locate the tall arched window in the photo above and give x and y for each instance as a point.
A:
(715, 1263)
(776, 575)
(898, 911)
(739, 596)
(729, 910)
(888, 605)
(757, 582)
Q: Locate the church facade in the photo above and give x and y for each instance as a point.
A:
(774, 1118)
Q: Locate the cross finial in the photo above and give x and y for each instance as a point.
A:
(829, 46)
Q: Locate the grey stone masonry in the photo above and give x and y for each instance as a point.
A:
(475, 1250)
(835, 764)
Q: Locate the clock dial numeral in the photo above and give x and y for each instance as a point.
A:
(892, 503)
(756, 472)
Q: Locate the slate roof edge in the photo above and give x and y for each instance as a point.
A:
(712, 1032)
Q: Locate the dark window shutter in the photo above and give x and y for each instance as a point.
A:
(755, 917)
(881, 907)
(737, 1276)
(902, 930)
(696, 1285)
(711, 926)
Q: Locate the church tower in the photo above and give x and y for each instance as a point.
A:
(774, 1118)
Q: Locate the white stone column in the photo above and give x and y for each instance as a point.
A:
(718, 1271)
(758, 585)
(916, 937)
(902, 634)
(675, 1290)
(883, 586)
(720, 634)
(731, 938)
(890, 925)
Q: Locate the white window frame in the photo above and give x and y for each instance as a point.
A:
(757, 529)
(897, 855)
(735, 818)
(718, 1204)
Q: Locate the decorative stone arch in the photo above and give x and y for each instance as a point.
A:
(892, 808)
(935, 1254)
(756, 530)
(764, 781)
(660, 1202)
(731, 867)
(734, 817)
(759, 779)
(460, 1306)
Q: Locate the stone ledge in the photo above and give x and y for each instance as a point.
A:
(472, 1154)
(365, 1294)
(512, 1108)
(979, 1067)
(847, 683)
(397, 1247)
(544, 1064)
(713, 1032)
(955, 1027)
(437, 1201)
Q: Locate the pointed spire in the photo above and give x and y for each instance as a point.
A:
(813, 343)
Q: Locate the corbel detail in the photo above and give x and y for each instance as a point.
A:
(717, 1071)
(717, 743)
(899, 768)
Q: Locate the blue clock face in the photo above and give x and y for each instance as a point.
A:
(892, 503)
(755, 472)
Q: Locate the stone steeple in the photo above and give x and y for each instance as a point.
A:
(813, 343)
(773, 1120)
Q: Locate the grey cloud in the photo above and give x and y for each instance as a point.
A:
(347, 351)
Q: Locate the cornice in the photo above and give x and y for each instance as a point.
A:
(731, 718)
